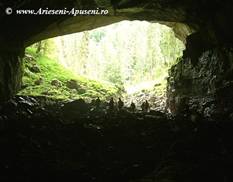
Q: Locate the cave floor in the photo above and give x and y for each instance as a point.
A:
(41, 142)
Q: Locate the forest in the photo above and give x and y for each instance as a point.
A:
(132, 56)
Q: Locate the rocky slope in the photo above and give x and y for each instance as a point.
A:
(203, 86)
(43, 76)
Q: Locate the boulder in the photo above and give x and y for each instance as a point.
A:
(72, 84)
(75, 108)
(39, 81)
(56, 83)
(35, 69)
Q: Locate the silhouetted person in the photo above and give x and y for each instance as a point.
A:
(143, 106)
(111, 105)
(97, 103)
(132, 107)
(147, 106)
(120, 104)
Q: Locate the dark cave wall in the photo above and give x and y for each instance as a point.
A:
(205, 84)
(202, 79)
(10, 74)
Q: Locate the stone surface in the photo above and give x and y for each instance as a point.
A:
(209, 17)
(204, 83)
(35, 69)
(10, 75)
(56, 83)
(38, 144)
(72, 84)
(39, 81)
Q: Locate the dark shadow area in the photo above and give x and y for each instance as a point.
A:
(51, 140)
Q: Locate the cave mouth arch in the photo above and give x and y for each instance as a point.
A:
(133, 55)
(195, 144)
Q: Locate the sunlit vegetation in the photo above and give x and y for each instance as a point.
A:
(130, 56)
(46, 77)
(126, 53)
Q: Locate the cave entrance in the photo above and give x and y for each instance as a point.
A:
(129, 59)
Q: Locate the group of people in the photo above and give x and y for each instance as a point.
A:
(119, 105)
(112, 106)
(145, 106)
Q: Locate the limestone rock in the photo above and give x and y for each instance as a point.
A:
(39, 81)
(74, 109)
(72, 84)
(56, 83)
(35, 69)
(201, 84)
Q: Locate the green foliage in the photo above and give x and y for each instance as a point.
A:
(168, 39)
(113, 74)
(125, 54)
(40, 83)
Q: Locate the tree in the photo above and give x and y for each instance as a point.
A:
(144, 52)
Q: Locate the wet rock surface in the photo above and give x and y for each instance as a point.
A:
(44, 139)
(204, 83)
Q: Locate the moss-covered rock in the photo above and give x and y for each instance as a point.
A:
(72, 84)
(54, 81)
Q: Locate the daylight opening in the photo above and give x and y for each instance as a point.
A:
(129, 59)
